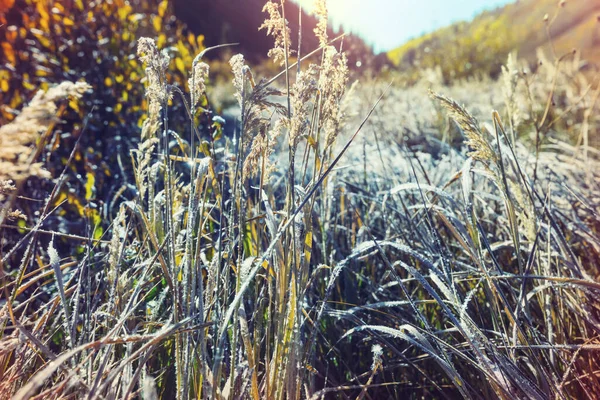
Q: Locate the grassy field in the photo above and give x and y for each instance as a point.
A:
(363, 239)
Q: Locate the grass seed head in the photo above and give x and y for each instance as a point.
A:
(237, 64)
(18, 137)
(320, 11)
(479, 148)
(197, 82)
(301, 96)
(277, 27)
(377, 351)
(332, 85)
(156, 89)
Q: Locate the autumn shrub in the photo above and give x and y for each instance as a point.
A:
(48, 42)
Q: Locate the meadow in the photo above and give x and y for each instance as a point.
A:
(355, 236)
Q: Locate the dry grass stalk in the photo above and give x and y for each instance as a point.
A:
(277, 27)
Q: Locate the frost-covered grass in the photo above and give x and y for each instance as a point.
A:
(334, 247)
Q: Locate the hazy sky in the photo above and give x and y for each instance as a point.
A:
(386, 24)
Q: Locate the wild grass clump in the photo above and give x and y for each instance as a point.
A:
(23, 142)
(452, 258)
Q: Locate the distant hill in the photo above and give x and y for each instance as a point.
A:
(482, 45)
(227, 21)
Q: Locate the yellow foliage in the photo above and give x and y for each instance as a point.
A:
(89, 186)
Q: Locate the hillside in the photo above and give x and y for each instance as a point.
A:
(481, 45)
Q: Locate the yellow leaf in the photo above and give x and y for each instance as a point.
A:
(107, 82)
(94, 216)
(162, 7)
(9, 52)
(308, 246)
(183, 50)
(61, 197)
(156, 23)
(89, 186)
(44, 16)
(162, 40)
(124, 11)
(41, 72)
(179, 64)
(73, 200)
(74, 105)
(21, 224)
(44, 41)
(16, 100)
(266, 266)
(4, 86)
(28, 85)
(178, 258)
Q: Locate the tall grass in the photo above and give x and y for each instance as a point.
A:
(286, 262)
